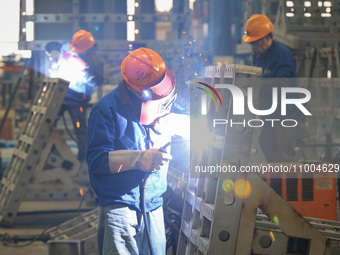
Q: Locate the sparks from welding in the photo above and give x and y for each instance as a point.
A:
(120, 168)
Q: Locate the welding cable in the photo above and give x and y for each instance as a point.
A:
(143, 206)
(8, 239)
(142, 196)
(142, 193)
(68, 131)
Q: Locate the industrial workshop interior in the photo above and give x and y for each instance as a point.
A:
(172, 127)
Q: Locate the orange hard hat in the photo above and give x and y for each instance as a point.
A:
(82, 41)
(257, 27)
(144, 69)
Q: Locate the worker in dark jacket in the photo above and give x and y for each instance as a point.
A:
(124, 149)
(276, 61)
(274, 58)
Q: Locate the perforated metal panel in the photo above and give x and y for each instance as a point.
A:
(210, 220)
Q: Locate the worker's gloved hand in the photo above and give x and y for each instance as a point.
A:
(174, 124)
(151, 160)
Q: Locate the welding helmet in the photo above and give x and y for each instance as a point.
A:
(145, 73)
(257, 27)
(52, 50)
(82, 41)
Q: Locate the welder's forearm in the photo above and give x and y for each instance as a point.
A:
(124, 160)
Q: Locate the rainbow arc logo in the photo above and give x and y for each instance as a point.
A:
(209, 93)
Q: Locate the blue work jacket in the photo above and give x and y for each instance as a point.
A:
(114, 125)
(277, 62)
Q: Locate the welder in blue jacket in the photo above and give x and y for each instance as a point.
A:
(76, 63)
(276, 61)
(123, 148)
(274, 58)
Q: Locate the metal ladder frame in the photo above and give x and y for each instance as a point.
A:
(27, 154)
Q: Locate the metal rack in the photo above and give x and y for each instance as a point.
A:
(30, 146)
(209, 220)
(83, 227)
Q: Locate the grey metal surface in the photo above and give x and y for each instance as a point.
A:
(57, 172)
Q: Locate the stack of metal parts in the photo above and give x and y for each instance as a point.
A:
(82, 228)
(30, 146)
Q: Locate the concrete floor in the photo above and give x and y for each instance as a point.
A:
(31, 223)
(36, 248)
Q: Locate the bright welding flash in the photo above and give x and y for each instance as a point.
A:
(174, 124)
(71, 70)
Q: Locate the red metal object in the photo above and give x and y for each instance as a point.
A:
(312, 194)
